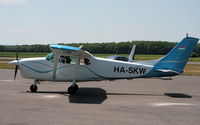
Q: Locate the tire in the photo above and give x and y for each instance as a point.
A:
(72, 90)
(33, 88)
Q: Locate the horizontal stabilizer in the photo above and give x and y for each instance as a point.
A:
(167, 71)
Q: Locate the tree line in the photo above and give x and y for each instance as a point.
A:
(142, 47)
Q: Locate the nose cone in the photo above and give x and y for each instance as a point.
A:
(15, 62)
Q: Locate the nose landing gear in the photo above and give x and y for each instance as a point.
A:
(73, 88)
(33, 87)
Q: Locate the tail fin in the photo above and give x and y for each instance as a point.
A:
(132, 54)
(177, 58)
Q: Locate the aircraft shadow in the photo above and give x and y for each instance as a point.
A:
(83, 95)
(89, 96)
(172, 95)
(135, 94)
(178, 95)
(99, 95)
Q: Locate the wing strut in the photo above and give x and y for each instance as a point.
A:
(55, 64)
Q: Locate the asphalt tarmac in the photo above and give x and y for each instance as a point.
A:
(122, 102)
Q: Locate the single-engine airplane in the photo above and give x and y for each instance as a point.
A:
(72, 64)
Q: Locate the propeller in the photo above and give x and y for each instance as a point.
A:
(16, 67)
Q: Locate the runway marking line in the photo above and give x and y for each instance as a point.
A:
(171, 104)
(50, 96)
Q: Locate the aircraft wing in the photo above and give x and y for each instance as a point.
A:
(70, 50)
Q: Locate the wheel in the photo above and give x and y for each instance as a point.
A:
(33, 88)
(76, 86)
(73, 89)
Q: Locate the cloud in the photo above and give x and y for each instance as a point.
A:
(18, 30)
(13, 1)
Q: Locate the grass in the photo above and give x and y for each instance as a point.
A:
(22, 54)
(194, 59)
(192, 70)
(6, 66)
(6, 59)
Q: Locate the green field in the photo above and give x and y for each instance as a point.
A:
(22, 54)
(6, 66)
(192, 70)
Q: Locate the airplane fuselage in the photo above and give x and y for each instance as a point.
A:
(98, 69)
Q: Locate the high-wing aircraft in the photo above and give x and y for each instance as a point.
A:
(72, 64)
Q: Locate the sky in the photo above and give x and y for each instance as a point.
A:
(76, 21)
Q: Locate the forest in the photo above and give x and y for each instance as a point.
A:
(142, 47)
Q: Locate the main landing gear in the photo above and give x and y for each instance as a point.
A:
(73, 88)
(33, 87)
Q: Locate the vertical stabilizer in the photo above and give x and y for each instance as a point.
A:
(177, 58)
(132, 54)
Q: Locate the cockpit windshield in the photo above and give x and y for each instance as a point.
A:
(50, 56)
(62, 59)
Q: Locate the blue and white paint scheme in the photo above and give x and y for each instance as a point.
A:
(67, 63)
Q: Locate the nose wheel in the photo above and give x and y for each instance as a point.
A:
(33, 87)
(73, 88)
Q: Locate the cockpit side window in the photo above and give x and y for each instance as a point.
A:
(50, 56)
(84, 61)
(64, 59)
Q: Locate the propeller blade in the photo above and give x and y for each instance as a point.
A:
(16, 68)
(55, 64)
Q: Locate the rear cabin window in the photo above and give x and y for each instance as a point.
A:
(67, 59)
(84, 61)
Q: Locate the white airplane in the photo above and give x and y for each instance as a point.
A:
(72, 64)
